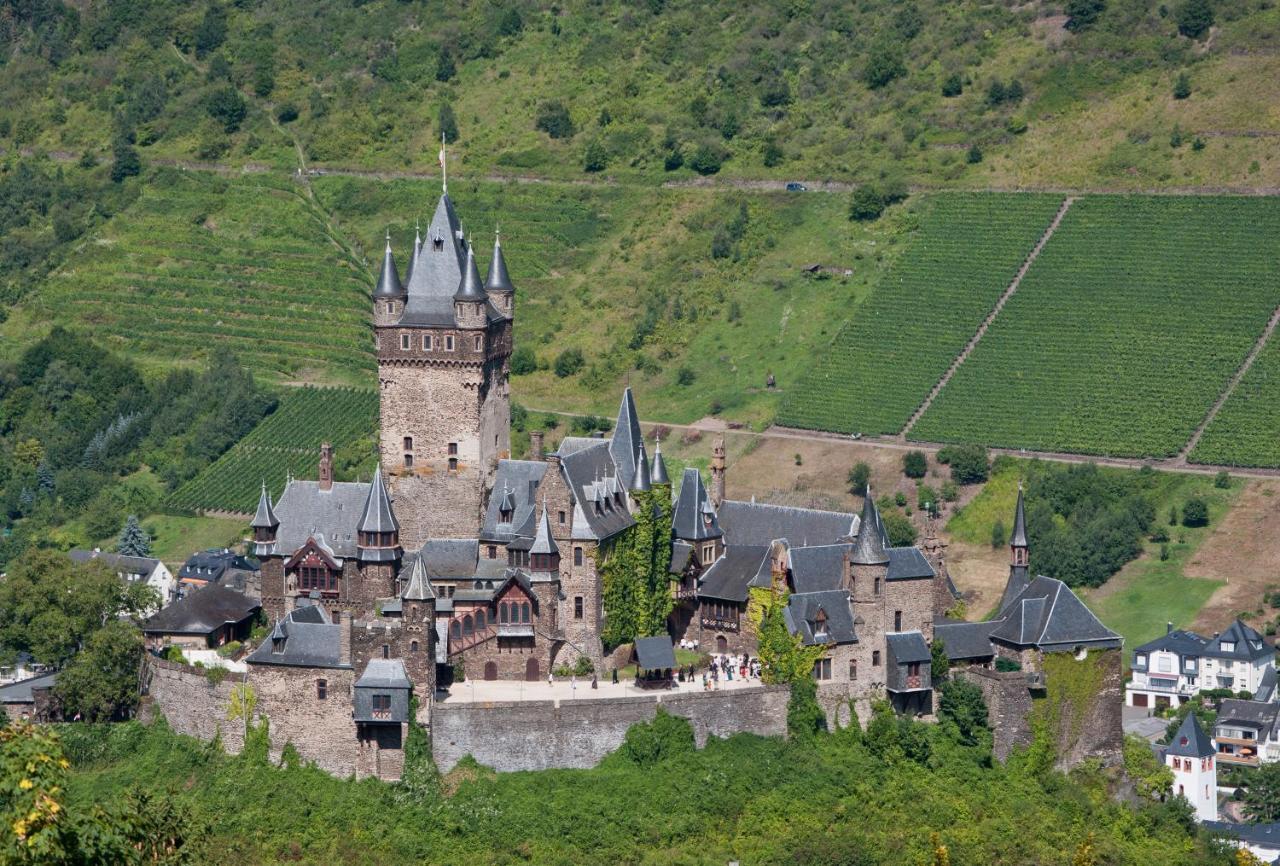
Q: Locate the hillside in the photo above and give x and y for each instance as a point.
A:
(660, 89)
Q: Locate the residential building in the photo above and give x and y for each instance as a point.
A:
(1173, 668)
(135, 569)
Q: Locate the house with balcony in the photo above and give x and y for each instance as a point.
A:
(1175, 667)
(1246, 733)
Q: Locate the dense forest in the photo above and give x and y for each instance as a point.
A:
(85, 436)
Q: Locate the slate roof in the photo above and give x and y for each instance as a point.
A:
(640, 481)
(543, 542)
(658, 472)
(498, 280)
(907, 563)
(377, 515)
(329, 515)
(760, 523)
(143, 565)
(817, 568)
(591, 474)
(1253, 714)
(470, 288)
(1262, 835)
(419, 586)
(802, 610)
(22, 692)
(384, 674)
(655, 653)
(1249, 644)
(209, 565)
(449, 558)
(626, 439)
(202, 612)
(436, 272)
(389, 278)
(1048, 615)
(518, 479)
(965, 640)
(1266, 686)
(907, 646)
(688, 522)
(1019, 537)
(869, 549)
(310, 640)
(265, 516)
(1017, 583)
(1190, 741)
(730, 576)
(681, 552)
(1184, 643)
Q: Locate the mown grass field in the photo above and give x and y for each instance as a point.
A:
(1124, 332)
(202, 263)
(288, 443)
(902, 340)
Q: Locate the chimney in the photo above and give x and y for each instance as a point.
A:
(326, 466)
(344, 638)
(717, 471)
(1168, 628)
(535, 444)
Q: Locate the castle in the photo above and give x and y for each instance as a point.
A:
(457, 557)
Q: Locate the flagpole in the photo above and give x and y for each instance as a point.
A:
(444, 166)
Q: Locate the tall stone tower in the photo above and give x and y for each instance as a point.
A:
(444, 347)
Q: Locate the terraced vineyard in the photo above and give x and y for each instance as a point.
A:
(1246, 431)
(903, 338)
(288, 442)
(1124, 332)
(201, 263)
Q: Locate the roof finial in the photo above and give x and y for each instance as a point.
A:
(444, 169)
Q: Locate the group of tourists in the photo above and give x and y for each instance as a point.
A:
(723, 667)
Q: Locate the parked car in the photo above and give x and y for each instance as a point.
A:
(795, 186)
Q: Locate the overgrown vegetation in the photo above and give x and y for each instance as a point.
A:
(635, 574)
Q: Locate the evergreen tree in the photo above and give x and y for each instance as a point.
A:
(1083, 14)
(447, 123)
(44, 479)
(1195, 18)
(133, 541)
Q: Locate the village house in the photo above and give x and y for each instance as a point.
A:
(135, 569)
(1178, 665)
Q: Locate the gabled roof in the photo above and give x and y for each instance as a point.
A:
(801, 616)
(688, 521)
(1050, 616)
(591, 474)
(908, 563)
(762, 522)
(907, 646)
(1248, 644)
(730, 577)
(655, 653)
(22, 691)
(965, 640)
(305, 510)
(384, 674)
(143, 565)
(1191, 741)
(626, 439)
(389, 278)
(202, 612)
(265, 516)
(817, 568)
(377, 515)
(498, 280)
(517, 480)
(1262, 835)
(1259, 715)
(445, 559)
(1184, 643)
(869, 549)
(304, 638)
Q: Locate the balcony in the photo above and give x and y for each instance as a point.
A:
(1238, 753)
(1178, 689)
(682, 594)
(715, 624)
(515, 629)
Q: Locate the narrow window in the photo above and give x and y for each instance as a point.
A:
(577, 556)
(875, 658)
(322, 689)
(404, 341)
(853, 670)
(913, 669)
(877, 587)
(408, 443)
(448, 343)
(408, 461)
(493, 551)
(577, 607)
(455, 630)
(426, 342)
(453, 464)
(386, 650)
(478, 339)
(482, 620)
(561, 516)
(524, 612)
(897, 620)
(453, 449)
(413, 646)
(381, 706)
(468, 626)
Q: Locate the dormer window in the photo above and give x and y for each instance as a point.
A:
(277, 645)
(505, 515)
(437, 243)
(1228, 646)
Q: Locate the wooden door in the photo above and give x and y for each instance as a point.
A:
(531, 672)
(490, 670)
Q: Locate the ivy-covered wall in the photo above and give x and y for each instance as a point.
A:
(1080, 713)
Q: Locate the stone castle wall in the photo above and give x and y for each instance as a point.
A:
(191, 704)
(1008, 705)
(538, 735)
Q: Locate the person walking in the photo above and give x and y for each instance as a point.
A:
(550, 680)
(615, 676)
(594, 683)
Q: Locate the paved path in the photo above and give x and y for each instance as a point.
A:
(481, 691)
(991, 317)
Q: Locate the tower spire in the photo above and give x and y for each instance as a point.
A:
(1019, 555)
(444, 167)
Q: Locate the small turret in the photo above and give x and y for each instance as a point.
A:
(658, 474)
(717, 471)
(1019, 556)
(498, 282)
(470, 301)
(388, 296)
(326, 466)
(264, 524)
(413, 256)
(640, 484)
(378, 532)
(869, 548)
(544, 555)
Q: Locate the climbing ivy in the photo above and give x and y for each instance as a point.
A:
(1071, 688)
(783, 656)
(637, 583)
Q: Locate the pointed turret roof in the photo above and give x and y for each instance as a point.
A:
(419, 587)
(469, 287)
(377, 515)
(1191, 741)
(265, 518)
(694, 517)
(498, 280)
(658, 474)
(626, 436)
(641, 481)
(389, 280)
(869, 549)
(413, 255)
(543, 542)
(1019, 537)
(437, 268)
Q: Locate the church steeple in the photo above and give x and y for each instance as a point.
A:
(1019, 555)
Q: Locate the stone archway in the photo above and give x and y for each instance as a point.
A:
(531, 671)
(722, 644)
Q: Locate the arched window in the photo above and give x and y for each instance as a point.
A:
(468, 627)
(477, 342)
(413, 646)
(504, 613)
(524, 612)
(481, 623)
(455, 630)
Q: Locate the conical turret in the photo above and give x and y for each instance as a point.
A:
(1019, 556)
(640, 483)
(498, 282)
(658, 475)
(378, 532)
(389, 286)
(469, 287)
(869, 549)
(419, 587)
(264, 524)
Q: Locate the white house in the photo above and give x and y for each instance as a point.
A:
(134, 569)
(1262, 840)
(1173, 668)
(1193, 759)
(1246, 732)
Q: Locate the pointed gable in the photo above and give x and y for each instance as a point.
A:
(419, 587)
(626, 438)
(694, 518)
(1191, 741)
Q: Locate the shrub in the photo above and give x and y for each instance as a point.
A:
(708, 158)
(227, 106)
(553, 119)
(1007, 665)
(1159, 535)
(773, 154)
(950, 492)
(998, 536)
(1197, 143)
(953, 85)
(899, 528)
(884, 64)
(523, 361)
(126, 162)
(287, 113)
(1195, 512)
(1195, 17)
(447, 123)
(650, 743)
(969, 463)
(595, 158)
(1083, 14)
(673, 159)
(569, 362)
(227, 650)
(974, 156)
(915, 464)
(215, 675)
(1222, 480)
(926, 497)
(867, 203)
(445, 68)
(805, 718)
(859, 475)
(1182, 87)
(962, 711)
(685, 376)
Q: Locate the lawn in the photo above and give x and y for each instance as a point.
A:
(175, 538)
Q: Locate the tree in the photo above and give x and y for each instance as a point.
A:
(133, 541)
(974, 156)
(1195, 17)
(649, 743)
(1222, 480)
(446, 123)
(1195, 512)
(884, 64)
(969, 463)
(510, 24)
(963, 711)
(101, 682)
(867, 203)
(1182, 87)
(125, 161)
(51, 606)
(859, 476)
(998, 536)
(707, 158)
(212, 31)
(899, 528)
(915, 464)
(1151, 777)
(1083, 14)
(227, 106)
(523, 361)
(805, 718)
(568, 362)
(939, 664)
(1262, 793)
(952, 85)
(595, 157)
(445, 68)
(772, 155)
(881, 737)
(553, 119)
